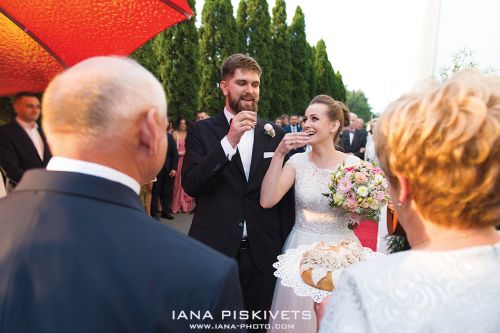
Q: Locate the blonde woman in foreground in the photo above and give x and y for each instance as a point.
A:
(440, 149)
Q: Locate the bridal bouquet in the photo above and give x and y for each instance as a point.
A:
(360, 189)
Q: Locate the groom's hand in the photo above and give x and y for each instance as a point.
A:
(242, 122)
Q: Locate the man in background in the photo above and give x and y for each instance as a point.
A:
(22, 142)
(162, 188)
(353, 140)
(294, 127)
(201, 115)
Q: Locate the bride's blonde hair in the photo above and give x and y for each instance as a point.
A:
(445, 139)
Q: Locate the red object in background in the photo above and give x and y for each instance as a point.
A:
(367, 232)
(40, 38)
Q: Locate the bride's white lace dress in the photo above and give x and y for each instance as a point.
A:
(315, 221)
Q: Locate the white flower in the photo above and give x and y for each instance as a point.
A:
(269, 130)
(378, 179)
(337, 197)
(362, 191)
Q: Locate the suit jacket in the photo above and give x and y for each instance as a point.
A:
(79, 254)
(226, 199)
(18, 153)
(288, 129)
(172, 155)
(358, 142)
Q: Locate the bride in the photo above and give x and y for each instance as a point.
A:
(315, 220)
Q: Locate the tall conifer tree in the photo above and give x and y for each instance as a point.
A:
(325, 76)
(281, 87)
(301, 57)
(241, 23)
(259, 47)
(218, 40)
(177, 52)
(311, 72)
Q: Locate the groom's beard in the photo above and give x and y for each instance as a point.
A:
(237, 106)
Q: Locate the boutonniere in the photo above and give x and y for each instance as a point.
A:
(268, 128)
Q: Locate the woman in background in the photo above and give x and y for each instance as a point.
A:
(181, 202)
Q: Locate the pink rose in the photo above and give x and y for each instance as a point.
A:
(344, 184)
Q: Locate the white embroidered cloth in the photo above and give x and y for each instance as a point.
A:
(288, 271)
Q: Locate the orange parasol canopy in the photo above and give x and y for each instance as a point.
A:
(39, 38)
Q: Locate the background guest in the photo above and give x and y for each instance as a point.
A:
(439, 149)
(294, 127)
(163, 187)
(22, 142)
(201, 115)
(285, 120)
(181, 202)
(370, 155)
(278, 122)
(352, 138)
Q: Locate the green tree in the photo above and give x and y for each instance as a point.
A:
(311, 74)
(300, 62)
(241, 23)
(145, 55)
(176, 51)
(218, 40)
(340, 90)
(6, 111)
(259, 47)
(325, 76)
(281, 85)
(358, 103)
(327, 81)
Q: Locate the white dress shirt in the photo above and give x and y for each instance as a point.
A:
(34, 135)
(245, 147)
(58, 163)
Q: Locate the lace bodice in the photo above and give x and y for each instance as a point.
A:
(419, 291)
(312, 209)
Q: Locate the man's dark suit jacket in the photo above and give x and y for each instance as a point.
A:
(18, 153)
(358, 142)
(163, 186)
(288, 129)
(79, 254)
(226, 199)
(172, 155)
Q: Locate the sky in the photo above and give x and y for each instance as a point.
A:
(386, 47)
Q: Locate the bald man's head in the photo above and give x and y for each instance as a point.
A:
(104, 106)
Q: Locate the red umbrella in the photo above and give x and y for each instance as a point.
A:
(39, 38)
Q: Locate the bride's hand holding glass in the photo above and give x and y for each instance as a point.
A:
(292, 141)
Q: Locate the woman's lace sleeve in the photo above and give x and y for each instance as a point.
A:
(294, 160)
(345, 312)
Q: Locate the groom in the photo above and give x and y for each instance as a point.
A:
(226, 159)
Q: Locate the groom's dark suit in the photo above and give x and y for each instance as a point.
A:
(79, 254)
(226, 199)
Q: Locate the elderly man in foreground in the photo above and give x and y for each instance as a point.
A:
(77, 251)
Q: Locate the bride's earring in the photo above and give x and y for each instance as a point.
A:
(399, 204)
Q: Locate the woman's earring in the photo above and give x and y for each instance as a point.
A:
(399, 204)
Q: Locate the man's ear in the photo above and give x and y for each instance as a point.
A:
(224, 87)
(149, 128)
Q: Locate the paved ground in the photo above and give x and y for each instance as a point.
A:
(181, 222)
